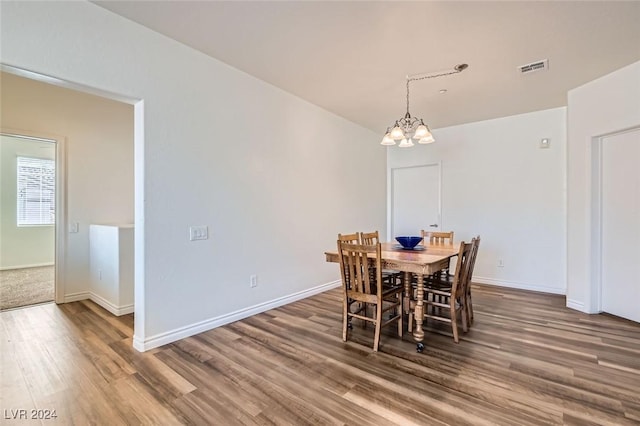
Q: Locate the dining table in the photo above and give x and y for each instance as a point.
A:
(421, 260)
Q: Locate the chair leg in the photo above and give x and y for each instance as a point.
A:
(465, 315)
(470, 308)
(345, 319)
(365, 306)
(376, 340)
(454, 321)
(400, 325)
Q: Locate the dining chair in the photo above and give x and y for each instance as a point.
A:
(437, 238)
(474, 255)
(353, 238)
(445, 281)
(453, 298)
(349, 238)
(360, 291)
(389, 277)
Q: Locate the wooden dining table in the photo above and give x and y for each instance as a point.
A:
(425, 260)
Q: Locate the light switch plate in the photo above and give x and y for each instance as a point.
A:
(200, 232)
(74, 227)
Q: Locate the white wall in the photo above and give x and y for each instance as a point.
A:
(274, 177)
(498, 183)
(99, 142)
(601, 107)
(111, 249)
(21, 246)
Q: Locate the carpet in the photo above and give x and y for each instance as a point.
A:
(28, 286)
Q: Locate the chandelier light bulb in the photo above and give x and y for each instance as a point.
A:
(397, 133)
(427, 139)
(421, 132)
(405, 143)
(386, 140)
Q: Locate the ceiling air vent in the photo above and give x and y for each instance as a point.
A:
(534, 66)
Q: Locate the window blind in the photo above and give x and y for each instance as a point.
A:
(36, 191)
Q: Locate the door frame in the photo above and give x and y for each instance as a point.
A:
(596, 216)
(139, 323)
(390, 195)
(60, 233)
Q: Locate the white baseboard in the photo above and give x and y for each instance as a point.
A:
(114, 309)
(84, 295)
(138, 344)
(34, 265)
(202, 326)
(74, 297)
(518, 285)
(577, 305)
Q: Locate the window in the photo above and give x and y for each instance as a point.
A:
(36, 191)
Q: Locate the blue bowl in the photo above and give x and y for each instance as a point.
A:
(408, 242)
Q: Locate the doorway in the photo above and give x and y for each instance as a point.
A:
(619, 204)
(31, 202)
(415, 199)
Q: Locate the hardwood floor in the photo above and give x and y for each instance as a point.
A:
(527, 360)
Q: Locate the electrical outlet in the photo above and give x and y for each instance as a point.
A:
(253, 281)
(500, 263)
(198, 232)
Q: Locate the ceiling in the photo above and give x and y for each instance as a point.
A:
(352, 58)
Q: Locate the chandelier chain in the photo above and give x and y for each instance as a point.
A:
(457, 70)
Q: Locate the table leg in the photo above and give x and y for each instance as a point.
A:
(418, 314)
(406, 301)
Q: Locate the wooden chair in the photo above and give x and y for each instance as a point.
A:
(469, 302)
(445, 281)
(349, 238)
(437, 238)
(389, 277)
(369, 238)
(454, 298)
(359, 291)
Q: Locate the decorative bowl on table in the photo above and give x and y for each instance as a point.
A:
(409, 243)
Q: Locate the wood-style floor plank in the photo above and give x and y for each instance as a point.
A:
(527, 360)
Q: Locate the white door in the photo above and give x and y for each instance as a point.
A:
(621, 225)
(415, 200)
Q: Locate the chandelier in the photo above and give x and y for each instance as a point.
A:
(408, 128)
